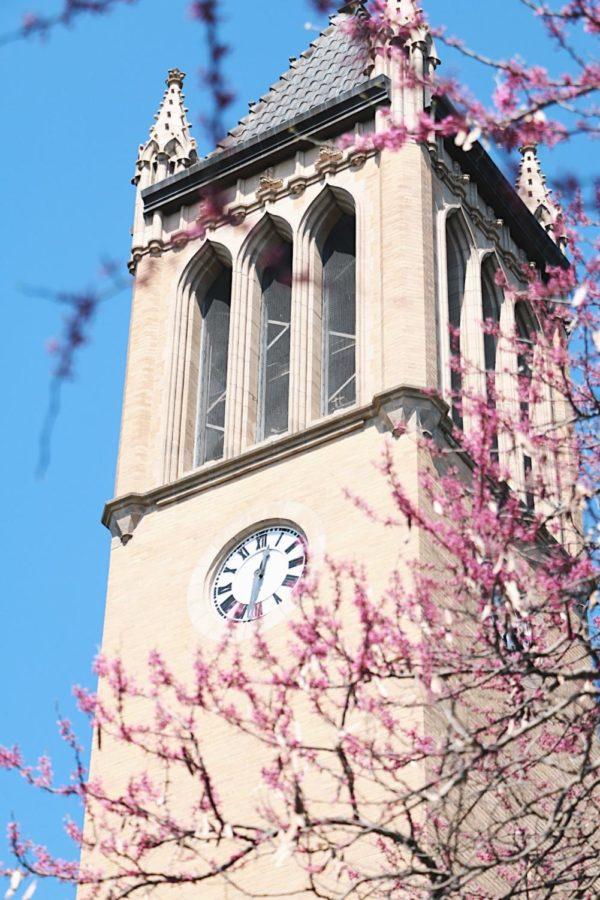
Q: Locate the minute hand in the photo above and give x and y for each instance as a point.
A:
(257, 583)
(264, 562)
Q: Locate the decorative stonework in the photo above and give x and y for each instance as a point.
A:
(357, 158)
(124, 518)
(155, 247)
(460, 184)
(537, 196)
(404, 409)
(413, 411)
(175, 76)
(269, 187)
(170, 149)
(297, 185)
(329, 159)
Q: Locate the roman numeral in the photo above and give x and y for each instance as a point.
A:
(240, 613)
(290, 580)
(244, 553)
(277, 599)
(261, 541)
(231, 571)
(226, 605)
(279, 538)
(226, 589)
(291, 547)
(295, 562)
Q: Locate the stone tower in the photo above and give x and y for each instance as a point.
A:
(270, 355)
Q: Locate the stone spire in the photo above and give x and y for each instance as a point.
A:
(535, 194)
(169, 149)
(410, 11)
(170, 144)
(413, 34)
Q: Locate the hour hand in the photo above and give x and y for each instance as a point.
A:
(263, 565)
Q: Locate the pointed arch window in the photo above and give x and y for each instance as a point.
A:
(491, 309)
(339, 316)
(214, 354)
(525, 328)
(526, 335)
(457, 255)
(491, 297)
(274, 351)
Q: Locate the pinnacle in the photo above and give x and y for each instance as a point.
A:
(534, 192)
(409, 14)
(170, 135)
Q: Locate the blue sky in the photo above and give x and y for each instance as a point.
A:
(75, 109)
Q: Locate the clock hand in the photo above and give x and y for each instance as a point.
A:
(257, 583)
(264, 562)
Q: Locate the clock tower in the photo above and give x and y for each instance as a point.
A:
(275, 348)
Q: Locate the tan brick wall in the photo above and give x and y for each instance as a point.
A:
(147, 604)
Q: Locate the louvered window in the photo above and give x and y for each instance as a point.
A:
(274, 387)
(339, 316)
(456, 275)
(215, 311)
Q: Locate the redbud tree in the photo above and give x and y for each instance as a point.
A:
(437, 738)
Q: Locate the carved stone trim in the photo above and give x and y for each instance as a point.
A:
(399, 410)
(493, 227)
(357, 158)
(297, 185)
(329, 159)
(276, 189)
(155, 247)
(413, 411)
(269, 187)
(124, 517)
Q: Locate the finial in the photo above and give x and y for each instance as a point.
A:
(175, 76)
(535, 194)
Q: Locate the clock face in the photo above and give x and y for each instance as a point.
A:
(260, 574)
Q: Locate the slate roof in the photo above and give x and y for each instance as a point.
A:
(334, 63)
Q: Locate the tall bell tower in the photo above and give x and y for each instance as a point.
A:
(273, 349)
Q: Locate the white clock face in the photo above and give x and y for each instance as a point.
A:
(260, 574)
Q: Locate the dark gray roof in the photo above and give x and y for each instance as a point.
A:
(334, 63)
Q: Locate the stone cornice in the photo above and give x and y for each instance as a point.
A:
(270, 189)
(497, 192)
(226, 166)
(400, 409)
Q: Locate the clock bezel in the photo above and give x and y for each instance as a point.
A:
(204, 618)
(232, 548)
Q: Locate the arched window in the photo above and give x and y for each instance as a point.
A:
(457, 249)
(525, 328)
(491, 296)
(214, 352)
(491, 309)
(339, 316)
(274, 352)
